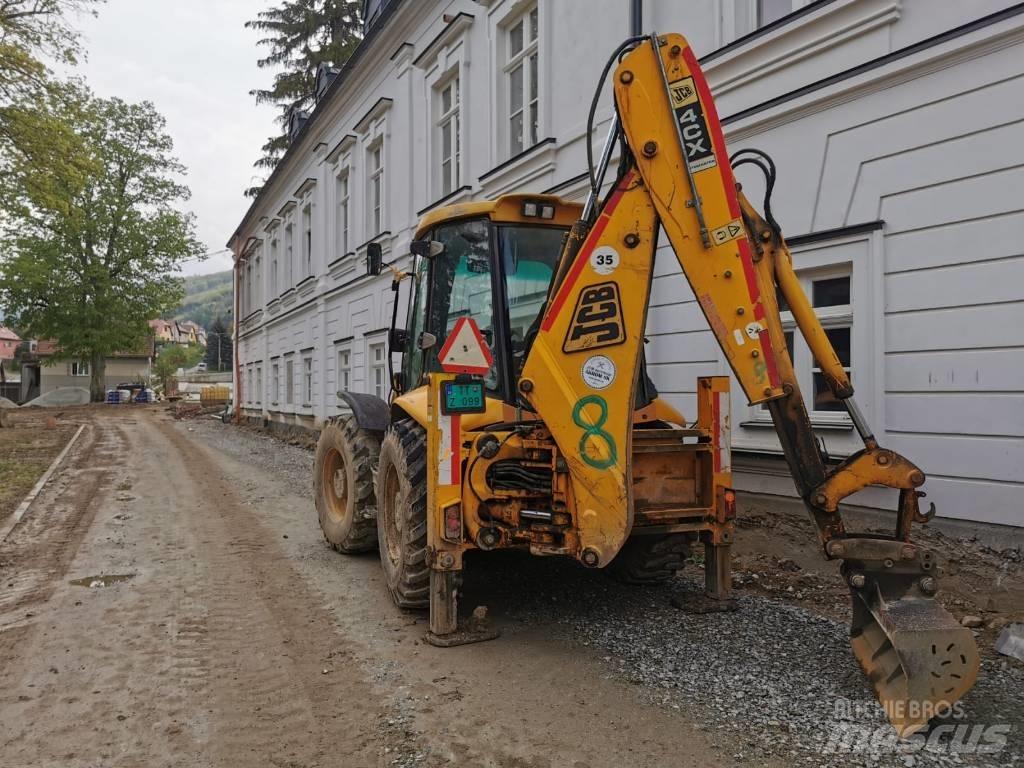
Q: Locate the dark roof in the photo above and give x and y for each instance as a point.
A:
(376, 14)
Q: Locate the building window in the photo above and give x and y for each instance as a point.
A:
(248, 384)
(275, 383)
(344, 370)
(259, 384)
(307, 381)
(247, 291)
(377, 370)
(289, 255)
(448, 136)
(79, 368)
(307, 240)
(273, 268)
(257, 297)
(522, 79)
(289, 382)
(342, 222)
(831, 296)
(375, 191)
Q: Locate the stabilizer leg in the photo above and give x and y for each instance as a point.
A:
(445, 630)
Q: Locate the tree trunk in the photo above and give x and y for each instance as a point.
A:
(97, 384)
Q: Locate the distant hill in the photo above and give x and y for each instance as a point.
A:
(206, 297)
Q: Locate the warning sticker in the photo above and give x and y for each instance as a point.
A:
(700, 154)
(598, 372)
(730, 231)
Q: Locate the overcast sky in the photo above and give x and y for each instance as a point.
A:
(196, 62)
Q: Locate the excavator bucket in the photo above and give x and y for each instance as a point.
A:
(918, 658)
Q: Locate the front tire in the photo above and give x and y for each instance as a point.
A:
(343, 485)
(401, 486)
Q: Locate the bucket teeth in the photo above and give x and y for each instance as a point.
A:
(917, 657)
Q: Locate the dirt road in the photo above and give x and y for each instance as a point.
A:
(169, 602)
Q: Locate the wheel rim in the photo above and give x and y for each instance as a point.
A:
(335, 485)
(392, 525)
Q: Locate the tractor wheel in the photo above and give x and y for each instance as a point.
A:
(650, 559)
(401, 485)
(343, 485)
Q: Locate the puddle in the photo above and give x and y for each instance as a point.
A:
(102, 581)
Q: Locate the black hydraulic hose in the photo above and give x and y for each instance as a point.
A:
(629, 42)
(766, 165)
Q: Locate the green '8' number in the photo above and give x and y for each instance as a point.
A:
(595, 432)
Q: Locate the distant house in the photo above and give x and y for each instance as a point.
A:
(195, 332)
(163, 330)
(178, 332)
(41, 374)
(9, 342)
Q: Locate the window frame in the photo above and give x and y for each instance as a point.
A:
(449, 152)
(289, 381)
(530, 90)
(375, 366)
(259, 384)
(307, 381)
(275, 383)
(343, 370)
(289, 253)
(804, 364)
(306, 233)
(343, 211)
(79, 369)
(375, 187)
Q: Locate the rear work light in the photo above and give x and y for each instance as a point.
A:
(534, 209)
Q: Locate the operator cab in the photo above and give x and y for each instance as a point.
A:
(495, 263)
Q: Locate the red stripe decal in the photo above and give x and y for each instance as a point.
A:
(584, 252)
(715, 127)
(456, 437)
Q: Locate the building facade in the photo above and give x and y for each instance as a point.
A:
(895, 126)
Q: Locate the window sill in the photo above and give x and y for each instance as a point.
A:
(824, 426)
(517, 170)
(460, 194)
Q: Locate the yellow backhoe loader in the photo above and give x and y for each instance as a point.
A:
(522, 415)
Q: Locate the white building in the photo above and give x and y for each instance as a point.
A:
(897, 129)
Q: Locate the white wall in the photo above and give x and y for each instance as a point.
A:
(925, 142)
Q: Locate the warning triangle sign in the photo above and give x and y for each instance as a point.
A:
(465, 350)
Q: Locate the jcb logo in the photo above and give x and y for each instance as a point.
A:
(597, 319)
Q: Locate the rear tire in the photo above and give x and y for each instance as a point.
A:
(650, 559)
(343, 470)
(401, 486)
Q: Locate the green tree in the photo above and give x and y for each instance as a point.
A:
(300, 35)
(218, 347)
(88, 262)
(171, 358)
(31, 32)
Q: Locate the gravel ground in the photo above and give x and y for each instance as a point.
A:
(771, 681)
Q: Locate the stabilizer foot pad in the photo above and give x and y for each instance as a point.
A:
(462, 636)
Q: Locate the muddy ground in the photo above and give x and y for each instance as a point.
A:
(29, 440)
(168, 601)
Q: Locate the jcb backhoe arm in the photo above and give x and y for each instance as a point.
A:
(580, 375)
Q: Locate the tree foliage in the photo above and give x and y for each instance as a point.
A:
(90, 257)
(300, 35)
(219, 347)
(31, 32)
(172, 357)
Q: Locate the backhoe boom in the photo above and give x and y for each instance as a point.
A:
(581, 372)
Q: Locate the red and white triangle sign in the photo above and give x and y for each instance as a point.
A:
(465, 350)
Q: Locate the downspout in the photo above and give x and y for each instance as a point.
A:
(636, 17)
(237, 372)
